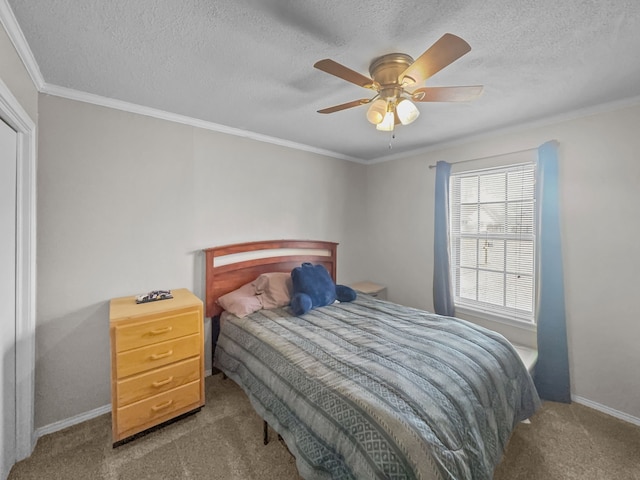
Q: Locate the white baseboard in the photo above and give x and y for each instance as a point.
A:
(96, 412)
(83, 417)
(604, 409)
(68, 422)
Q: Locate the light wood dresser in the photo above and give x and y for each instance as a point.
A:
(157, 362)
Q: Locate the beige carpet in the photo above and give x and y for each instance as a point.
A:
(224, 441)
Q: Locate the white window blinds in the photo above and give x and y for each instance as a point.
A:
(493, 242)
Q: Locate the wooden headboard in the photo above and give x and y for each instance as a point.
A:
(231, 266)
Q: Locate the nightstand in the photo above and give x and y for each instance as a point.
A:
(372, 289)
(157, 362)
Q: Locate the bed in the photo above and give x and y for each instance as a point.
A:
(367, 389)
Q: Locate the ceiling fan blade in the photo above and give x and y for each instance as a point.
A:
(442, 53)
(340, 71)
(344, 106)
(446, 94)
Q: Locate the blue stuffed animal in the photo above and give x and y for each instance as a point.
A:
(313, 288)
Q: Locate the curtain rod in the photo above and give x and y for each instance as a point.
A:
(490, 156)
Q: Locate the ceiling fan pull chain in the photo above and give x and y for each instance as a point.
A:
(392, 137)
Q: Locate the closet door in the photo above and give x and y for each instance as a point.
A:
(8, 182)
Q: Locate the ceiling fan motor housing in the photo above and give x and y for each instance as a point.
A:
(386, 70)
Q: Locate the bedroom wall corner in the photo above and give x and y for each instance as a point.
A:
(115, 204)
(258, 191)
(599, 190)
(398, 239)
(128, 202)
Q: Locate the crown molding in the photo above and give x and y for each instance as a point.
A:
(564, 117)
(216, 127)
(10, 24)
(80, 96)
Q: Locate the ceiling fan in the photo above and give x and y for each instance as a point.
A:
(396, 79)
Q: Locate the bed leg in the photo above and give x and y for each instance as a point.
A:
(265, 437)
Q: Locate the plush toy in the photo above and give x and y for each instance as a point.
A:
(313, 288)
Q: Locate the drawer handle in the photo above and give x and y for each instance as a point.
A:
(161, 406)
(161, 383)
(158, 356)
(160, 331)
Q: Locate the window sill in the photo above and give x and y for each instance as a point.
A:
(529, 327)
(529, 356)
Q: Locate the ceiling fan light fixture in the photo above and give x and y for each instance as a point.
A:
(407, 111)
(388, 123)
(377, 111)
(394, 77)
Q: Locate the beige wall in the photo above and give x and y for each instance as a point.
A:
(600, 192)
(125, 205)
(127, 202)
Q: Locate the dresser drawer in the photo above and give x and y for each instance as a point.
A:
(158, 408)
(158, 330)
(158, 380)
(157, 355)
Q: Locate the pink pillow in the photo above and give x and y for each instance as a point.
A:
(275, 289)
(241, 302)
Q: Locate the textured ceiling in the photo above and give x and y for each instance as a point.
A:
(249, 64)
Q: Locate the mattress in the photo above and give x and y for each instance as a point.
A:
(372, 389)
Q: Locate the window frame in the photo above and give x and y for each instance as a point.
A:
(478, 308)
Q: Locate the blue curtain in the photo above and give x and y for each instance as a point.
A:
(552, 368)
(442, 295)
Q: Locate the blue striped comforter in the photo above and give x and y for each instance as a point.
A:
(371, 389)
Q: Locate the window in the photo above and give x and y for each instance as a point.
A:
(493, 241)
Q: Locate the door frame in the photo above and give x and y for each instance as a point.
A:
(17, 118)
